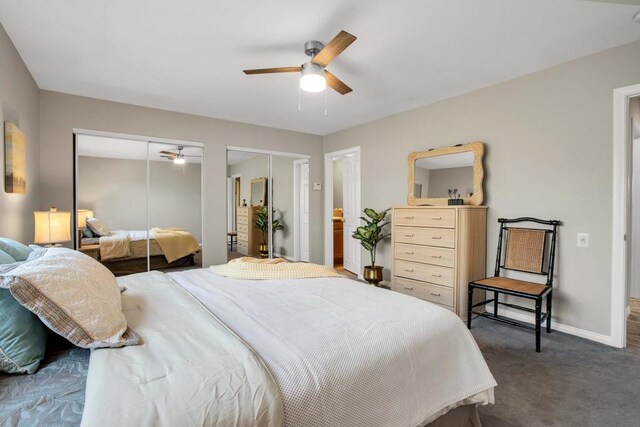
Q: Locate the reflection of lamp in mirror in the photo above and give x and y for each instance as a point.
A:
(52, 227)
(83, 214)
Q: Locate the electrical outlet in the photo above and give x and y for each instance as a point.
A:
(583, 240)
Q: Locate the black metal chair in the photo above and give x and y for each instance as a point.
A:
(527, 250)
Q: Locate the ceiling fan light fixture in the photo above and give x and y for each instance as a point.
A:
(313, 78)
(178, 161)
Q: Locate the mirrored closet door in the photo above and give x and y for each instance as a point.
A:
(267, 205)
(139, 203)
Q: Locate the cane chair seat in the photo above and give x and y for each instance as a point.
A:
(513, 285)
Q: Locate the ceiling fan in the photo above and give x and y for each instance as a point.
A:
(314, 76)
(178, 158)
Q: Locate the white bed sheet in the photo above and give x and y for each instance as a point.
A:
(345, 354)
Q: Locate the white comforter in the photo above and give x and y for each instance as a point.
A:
(338, 353)
(346, 354)
(189, 371)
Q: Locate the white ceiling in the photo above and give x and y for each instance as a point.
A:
(119, 148)
(188, 56)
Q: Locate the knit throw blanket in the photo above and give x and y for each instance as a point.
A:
(272, 269)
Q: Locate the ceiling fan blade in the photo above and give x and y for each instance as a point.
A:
(334, 48)
(187, 155)
(336, 84)
(170, 153)
(273, 70)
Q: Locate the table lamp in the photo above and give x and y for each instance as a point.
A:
(83, 214)
(52, 227)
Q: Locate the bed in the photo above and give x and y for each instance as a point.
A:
(297, 352)
(125, 251)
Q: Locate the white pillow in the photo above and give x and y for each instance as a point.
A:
(100, 228)
(73, 294)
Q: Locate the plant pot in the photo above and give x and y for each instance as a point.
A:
(373, 274)
(264, 250)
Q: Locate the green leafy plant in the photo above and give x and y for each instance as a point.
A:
(372, 233)
(262, 223)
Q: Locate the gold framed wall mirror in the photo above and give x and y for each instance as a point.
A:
(258, 191)
(442, 174)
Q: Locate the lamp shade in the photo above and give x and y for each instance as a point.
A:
(52, 226)
(83, 214)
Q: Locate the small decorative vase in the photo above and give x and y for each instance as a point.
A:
(264, 250)
(373, 274)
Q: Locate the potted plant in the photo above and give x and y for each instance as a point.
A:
(370, 235)
(262, 224)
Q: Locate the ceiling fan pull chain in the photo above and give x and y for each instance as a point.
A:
(325, 103)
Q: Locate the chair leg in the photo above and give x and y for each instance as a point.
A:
(469, 306)
(538, 322)
(495, 303)
(549, 297)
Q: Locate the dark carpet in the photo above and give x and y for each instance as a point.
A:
(573, 382)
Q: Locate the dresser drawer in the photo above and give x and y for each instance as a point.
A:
(439, 294)
(242, 248)
(442, 218)
(243, 228)
(424, 272)
(242, 237)
(243, 220)
(242, 211)
(442, 237)
(425, 254)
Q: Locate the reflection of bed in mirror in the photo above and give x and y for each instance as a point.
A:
(125, 251)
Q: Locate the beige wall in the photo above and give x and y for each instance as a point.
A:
(255, 167)
(548, 154)
(116, 191)
(61, 113)
(443, 180)
(20, 105)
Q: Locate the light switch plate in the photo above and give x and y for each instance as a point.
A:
(317, 186)
(583, 240)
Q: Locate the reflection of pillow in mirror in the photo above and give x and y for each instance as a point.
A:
(86, 232)
(16, 250)
(100, 228)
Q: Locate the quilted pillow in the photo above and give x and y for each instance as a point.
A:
(99, 228)
(73, 294)
(17, 250)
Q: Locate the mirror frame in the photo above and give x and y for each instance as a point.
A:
(263, 180)
(476, 147)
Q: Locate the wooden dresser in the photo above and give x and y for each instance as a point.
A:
(249, 237)
(437, 251)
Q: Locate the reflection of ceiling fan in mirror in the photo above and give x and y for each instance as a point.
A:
(178, 158)
(314, 77)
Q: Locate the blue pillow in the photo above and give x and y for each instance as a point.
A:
(23, 337)
(5, 258)
(17, 250)
(87, 232)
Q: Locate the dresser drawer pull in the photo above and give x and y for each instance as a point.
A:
(437, 218)
(408, 217)
(408, 271)
(437, 275)
(436, 237)
(409, 288)
(408, 235)
(435, 294)
(409, 252)
(436, 256)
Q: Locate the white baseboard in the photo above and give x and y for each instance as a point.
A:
(571, 330)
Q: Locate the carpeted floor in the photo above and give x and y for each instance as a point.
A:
(573, 382)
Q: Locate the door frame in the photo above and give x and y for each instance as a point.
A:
(621, 174)
(231, 210)
(297, 251)
(328, 202)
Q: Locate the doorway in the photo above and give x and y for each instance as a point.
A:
(342, 210)
(625, 312)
